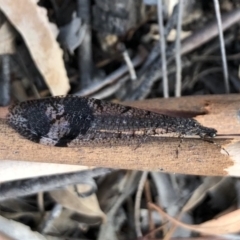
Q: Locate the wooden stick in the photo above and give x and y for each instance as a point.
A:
(194, 156)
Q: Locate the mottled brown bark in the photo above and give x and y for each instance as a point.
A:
(190, 156)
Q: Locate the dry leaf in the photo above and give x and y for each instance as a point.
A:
(228, 223)
(7, 36)
(31, 22)
(16, 230)
(88, 206)
(13, 170)
(72, 34)
(200, 192)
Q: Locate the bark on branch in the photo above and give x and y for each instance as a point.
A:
(191, 156)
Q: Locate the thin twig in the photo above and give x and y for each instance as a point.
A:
(150, 215)
(130, 66)
(154, 231)
(205, 73)
(111, 89)
(208, 32)
(150, 59)
(5, 80)
(34, 185)
(85, 49)
(139, 93)
(137, 204)
(163, 50)
(198, 38)
(21, 59)
(178, 50)
(47, 223)
(110, 78)
(208, 50)
(40, 201)
(16, 230)
(221, 39)
(232, 57)
(129, 188)
(128, 61)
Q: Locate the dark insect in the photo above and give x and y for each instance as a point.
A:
(75, 121)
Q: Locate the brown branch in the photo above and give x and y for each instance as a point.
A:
(208, 32)
(195, 156)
